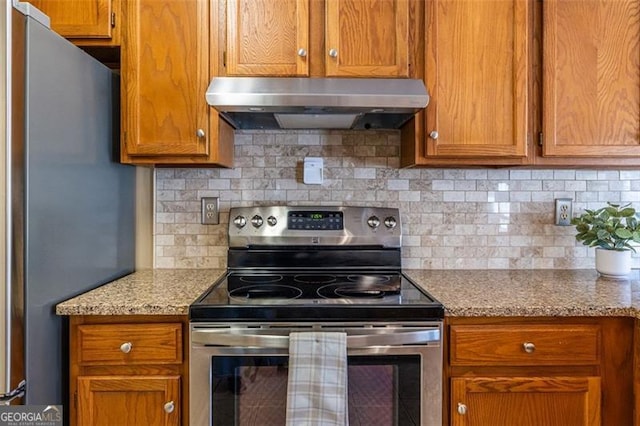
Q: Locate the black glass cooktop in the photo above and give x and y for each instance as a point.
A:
(315, 295)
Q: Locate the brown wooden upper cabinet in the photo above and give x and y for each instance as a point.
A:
(476, 72)
(165, 74)
(85, 22)
(356, 38)
(591, 81)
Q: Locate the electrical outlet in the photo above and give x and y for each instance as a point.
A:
(210, 211)
(563, 211)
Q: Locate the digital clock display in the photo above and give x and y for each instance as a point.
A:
(315, 220)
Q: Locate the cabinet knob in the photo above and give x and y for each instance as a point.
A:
(462, 408)
(169, 407)
(126, 347)
(302, 52)
(333, 53)
(434, 135)
(528, 347)
(200, 133)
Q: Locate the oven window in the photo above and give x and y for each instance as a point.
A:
(252, 390)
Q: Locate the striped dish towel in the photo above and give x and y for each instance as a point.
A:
(317, 382)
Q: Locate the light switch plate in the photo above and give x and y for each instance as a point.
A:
(313, 171)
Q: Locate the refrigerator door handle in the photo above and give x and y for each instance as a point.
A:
(16, 393)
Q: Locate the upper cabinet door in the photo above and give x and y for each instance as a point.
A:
(477, 76)
(79, 18)
(367, 38)
(165, 73)
(267, 37)
(591, 78)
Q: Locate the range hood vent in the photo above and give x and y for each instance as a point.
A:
(316, 103)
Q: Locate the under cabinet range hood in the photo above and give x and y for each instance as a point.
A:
(316, 103)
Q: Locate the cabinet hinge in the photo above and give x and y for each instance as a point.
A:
(224, 59)
(540, 138)
(113, 19)
(75, 400)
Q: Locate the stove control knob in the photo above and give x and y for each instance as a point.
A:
(272, 221)
(373, 222)
(390, 222)
(240, 221)
(257, 221)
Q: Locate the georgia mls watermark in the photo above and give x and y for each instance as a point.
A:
(30, 415)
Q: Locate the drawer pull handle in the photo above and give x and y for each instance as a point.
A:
(126, 347)
(529, 347)
(462, 409)
(169, 407)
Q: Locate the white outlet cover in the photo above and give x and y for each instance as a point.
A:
(313, 171)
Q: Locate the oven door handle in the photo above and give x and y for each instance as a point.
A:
(239, 338)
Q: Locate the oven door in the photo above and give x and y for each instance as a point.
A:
(238, 373)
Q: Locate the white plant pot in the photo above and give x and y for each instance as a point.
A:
(613, 263)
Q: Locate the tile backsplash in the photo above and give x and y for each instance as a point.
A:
(452, 218)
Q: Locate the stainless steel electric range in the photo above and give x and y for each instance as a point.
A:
(315, 269)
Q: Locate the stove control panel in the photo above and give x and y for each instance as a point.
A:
(315, 220)
(318, 226)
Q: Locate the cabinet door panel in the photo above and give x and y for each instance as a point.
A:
(165, 73)
(78, 18)
(128, 400)
(591, 78)
(476, 73)
(264, 37)
(370, 38)
(525, 401)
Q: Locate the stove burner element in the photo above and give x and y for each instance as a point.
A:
(315, 279)
(260, 279)
(370, 279)
(357, 291)
(265, 291)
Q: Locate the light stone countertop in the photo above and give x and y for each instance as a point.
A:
(535, 292)
(146, 292)
(463, 293)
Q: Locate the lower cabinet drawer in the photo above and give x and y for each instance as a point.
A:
(522, 345)
(129, 344)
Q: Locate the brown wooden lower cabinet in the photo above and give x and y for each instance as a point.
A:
(526, 401)
(129, 370)
(133, 370)
(539, 371)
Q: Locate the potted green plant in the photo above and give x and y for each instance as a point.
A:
(611, 229)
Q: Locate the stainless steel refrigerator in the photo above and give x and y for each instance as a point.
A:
(71, 217)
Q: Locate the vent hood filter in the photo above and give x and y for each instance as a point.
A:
(316, 103)
(316, 121)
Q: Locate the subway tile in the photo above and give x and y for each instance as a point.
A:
(452, 218)
(564, 174)
(397, 184)
(409, 196)
(442, 185)
(629, 174)
(453, 196)
(520, 175)
(608, 175)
